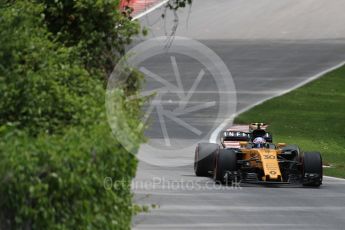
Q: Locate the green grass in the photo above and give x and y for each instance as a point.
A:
(312, 117)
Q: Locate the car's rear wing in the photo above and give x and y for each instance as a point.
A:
(232, 137)
(235, 136)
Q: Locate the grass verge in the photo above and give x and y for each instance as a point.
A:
(312, 117)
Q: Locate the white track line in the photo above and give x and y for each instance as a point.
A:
(142, 14)
(223, 125)
(220, 208)
(222, 226)
(334, 178)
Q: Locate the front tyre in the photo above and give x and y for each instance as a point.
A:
(225, 167)
(312, 169)
(204, 158)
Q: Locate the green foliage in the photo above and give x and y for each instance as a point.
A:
(56, 182)
(311, 116)
(176, 4)
(55, 146)
(122, 116)
(44, 87)
(96, 27)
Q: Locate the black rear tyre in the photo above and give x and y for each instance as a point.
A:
(312, 169)
(226, 161)
(204, 158)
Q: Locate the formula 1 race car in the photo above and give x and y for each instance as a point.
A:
(246, 154)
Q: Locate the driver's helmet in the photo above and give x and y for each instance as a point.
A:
(259, 142)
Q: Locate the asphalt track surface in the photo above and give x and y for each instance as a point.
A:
(269, 47)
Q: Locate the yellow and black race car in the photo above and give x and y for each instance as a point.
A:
(247, 154)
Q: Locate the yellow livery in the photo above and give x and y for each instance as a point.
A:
(247, 154)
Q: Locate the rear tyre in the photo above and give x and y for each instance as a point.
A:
(312, 169)
(204, 158)
(225, 167)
